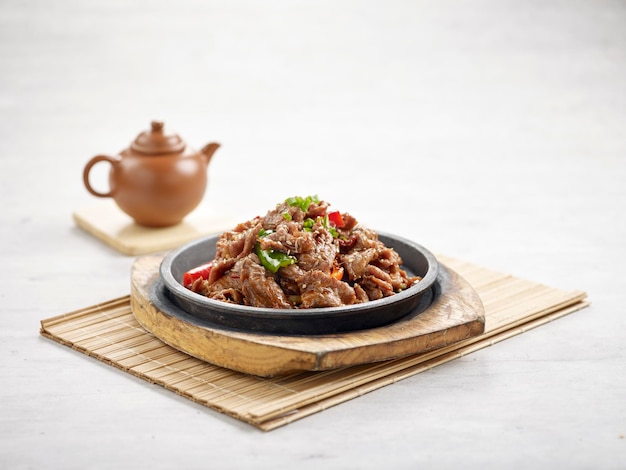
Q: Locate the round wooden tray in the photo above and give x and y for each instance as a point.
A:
(455, 313)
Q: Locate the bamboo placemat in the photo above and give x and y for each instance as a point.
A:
(110, 333)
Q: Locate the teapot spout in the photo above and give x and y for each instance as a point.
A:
(208, 150)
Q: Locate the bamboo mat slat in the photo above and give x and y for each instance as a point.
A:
(110, 333)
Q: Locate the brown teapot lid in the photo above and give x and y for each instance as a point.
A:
(156, 142)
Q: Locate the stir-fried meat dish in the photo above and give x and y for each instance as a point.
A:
(300, 255)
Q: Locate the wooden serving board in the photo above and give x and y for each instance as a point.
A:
(106, 222)
(456, 314)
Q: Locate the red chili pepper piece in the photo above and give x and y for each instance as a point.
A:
(336, 219)
(201, 271)
(337, 272)
(346, 245)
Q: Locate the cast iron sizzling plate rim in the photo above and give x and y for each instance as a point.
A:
(163, 301)
(218, 312)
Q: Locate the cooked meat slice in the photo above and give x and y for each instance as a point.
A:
(387, 258)
(237, 243)
(289, 281)
(200, 286)
(375, 287)
(292, 272)
(400, 280)
(317, 209)
(322, 256)
(230, 280)
(251, 237)
(361, 295)
(232, 296)
(259, 287)
(356, 262)
(283, 212)
(365, 238)
(229, 245)
(378, 273)
(219, 268)
(288, 238)
(319, 289)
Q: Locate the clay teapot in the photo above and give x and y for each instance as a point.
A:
(158, 180)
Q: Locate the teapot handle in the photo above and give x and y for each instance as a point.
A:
(89, 166)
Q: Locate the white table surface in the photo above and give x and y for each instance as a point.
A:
(491, 131)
